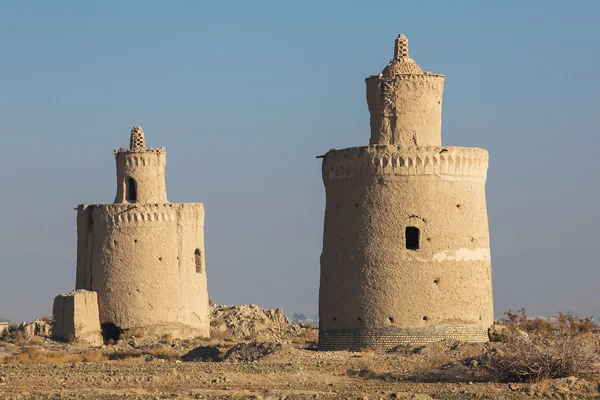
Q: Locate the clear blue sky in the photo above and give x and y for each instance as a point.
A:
(244, 95)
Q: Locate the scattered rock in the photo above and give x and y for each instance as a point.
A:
(248, 352)
(202, 354)
(249, 321)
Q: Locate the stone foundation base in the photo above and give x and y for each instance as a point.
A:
(389, 338)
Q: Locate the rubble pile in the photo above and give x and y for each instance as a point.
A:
(249, 321)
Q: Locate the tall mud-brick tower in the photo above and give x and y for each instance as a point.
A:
(406, 251)
(143, 255)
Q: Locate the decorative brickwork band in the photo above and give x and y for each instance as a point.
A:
(388, 338)
(448, 162)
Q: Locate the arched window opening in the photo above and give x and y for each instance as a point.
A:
(412, 238)
(198, 259)
(131, 190)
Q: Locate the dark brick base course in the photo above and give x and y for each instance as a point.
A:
(388, 338)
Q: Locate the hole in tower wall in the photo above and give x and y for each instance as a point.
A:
(426, 318)
(131, 190)
(391, 319)
(110, 332)
(436, 281)
(198, 260)
(412, 238)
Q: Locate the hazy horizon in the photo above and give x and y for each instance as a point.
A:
(245, 95)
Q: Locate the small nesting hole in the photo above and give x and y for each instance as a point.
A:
(425, 318)
(115, 242)
(334, 318)
(355, 204)
(159, 258)
(436, 281)
(458, 206)
(391, 319)
(359, 318)
(134, 240)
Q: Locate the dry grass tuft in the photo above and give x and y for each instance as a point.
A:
(36, 355)
(166, 353)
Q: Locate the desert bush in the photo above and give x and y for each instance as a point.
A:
(167, 339)
(14, 336)
(544, 355)
(567, 323)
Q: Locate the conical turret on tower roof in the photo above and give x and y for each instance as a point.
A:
(401, 63)
(137, 141)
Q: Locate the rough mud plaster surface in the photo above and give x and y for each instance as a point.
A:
(76, 317)
(142, 263)
(144, 256)
(376, 290)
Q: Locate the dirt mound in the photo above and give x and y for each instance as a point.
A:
(248, 352)
(250, 321)
(202, 354)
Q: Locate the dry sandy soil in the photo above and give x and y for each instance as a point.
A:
(287, 366)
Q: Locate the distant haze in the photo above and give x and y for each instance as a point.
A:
(244, 95)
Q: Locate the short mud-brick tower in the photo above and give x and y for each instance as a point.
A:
(143, 255)
(406, 251)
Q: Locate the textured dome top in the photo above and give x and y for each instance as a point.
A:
(401, 64)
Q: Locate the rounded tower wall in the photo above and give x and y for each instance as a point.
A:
(142, 260)
(406, 110)
(371, 283)
(147, 169)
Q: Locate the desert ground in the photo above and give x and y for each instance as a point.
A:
(258, 354)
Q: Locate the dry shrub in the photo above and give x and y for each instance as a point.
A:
(14, 336)
(167, 339)
(567, 323)
(557, 354)
(36, 355)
